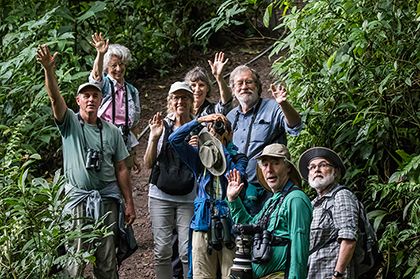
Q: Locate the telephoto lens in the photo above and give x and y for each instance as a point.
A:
(242, 268)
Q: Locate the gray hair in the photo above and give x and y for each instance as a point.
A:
(196, 74)
(118, 50)
(243, 68)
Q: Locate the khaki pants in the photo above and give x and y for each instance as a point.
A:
(204, 265)
(105, 266)
(277, 275)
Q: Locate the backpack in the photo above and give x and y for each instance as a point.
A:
(367, 256)
(169, 173)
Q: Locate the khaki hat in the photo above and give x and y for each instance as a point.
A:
(180, 85)
(279, 151)
(319, 152)
(86, 85)
(211, 153)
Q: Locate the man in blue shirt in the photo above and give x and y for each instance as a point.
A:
(258, 122)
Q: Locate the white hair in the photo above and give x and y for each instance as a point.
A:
(118, 50)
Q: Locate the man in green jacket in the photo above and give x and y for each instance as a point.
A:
(285, 217)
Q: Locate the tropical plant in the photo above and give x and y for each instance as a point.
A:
(353, 69)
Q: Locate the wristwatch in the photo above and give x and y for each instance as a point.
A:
(337, 274)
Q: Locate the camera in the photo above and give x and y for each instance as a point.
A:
(194, 132)
(220, 233)
(242, 263)
(93, 159)
(219, 127)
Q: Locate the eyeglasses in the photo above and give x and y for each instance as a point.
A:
(247, 82)
(176, 98)
(322, 165)
(114, 66)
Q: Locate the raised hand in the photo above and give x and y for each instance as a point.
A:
(218, 64)
(279, 93)
(99, 43)
(44, 57)
(235, 185)
(156, 126)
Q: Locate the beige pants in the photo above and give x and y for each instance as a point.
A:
(105, 266)
(204, 265)
(277, 275)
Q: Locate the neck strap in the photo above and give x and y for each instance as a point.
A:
(113, 102)
(98, 124)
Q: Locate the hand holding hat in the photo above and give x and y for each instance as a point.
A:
(211, 153)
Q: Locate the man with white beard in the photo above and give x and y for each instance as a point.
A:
(334, 225)
(256, 123)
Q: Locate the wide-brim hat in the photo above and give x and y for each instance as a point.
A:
(319, 152)
(211, 153)
(86, 85)
(279, 151)
(180, 85)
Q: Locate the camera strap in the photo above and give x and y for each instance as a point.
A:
(113, 104)
(265, 217)
(98, 124)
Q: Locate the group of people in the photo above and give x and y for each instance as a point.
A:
(214, 168)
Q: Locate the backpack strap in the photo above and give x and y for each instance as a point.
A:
(334, 236)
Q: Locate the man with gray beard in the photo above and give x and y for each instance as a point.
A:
(334, 225)
(256, 123)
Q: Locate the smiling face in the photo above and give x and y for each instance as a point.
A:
(200, 90)
(116, 68)
(180, 102)
(321, 174)
(89, 100)
(245, 88)
(275, 171)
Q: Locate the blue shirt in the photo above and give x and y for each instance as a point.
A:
(267, 126)
(204, 201)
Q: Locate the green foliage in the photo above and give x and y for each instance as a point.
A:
(239, 19)
(353, 68)
(225, 17)
(33, 228)
(157, 32)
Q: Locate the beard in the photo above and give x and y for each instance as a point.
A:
(248, 100)
(320, 184)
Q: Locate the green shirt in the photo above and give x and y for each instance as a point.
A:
(290, 220)
(74, 152)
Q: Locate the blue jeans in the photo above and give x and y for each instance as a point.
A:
(165, 216)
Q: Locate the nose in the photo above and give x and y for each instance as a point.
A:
(268, 168)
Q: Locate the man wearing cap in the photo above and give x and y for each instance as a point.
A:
(258, 122)
(93, 154)
(286, 216)
(212, 243)
(335, 210)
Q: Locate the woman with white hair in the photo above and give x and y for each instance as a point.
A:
(121, 103)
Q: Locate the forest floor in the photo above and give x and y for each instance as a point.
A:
(153, 92)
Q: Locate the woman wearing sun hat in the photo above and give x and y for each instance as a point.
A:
(210, 163)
